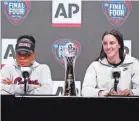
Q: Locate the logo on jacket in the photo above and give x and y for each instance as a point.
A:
(19, 80)
(16, 10)
(125, 69)
(58, 46)
(116, 11)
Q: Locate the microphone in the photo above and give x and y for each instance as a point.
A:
(116, 73)
(26, 71)
(25, 74)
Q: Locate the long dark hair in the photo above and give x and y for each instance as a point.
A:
(118, 35)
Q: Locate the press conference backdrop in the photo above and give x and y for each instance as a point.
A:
(53, 24)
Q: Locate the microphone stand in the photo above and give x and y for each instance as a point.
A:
(116, 81)
(26, 78)
(116, 76)
(25, 85)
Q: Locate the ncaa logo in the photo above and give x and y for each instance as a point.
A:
(58, 48)
(116, 11)
(16, 10)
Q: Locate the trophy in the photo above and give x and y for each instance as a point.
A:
(69, 56)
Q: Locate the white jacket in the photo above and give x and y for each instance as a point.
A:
(99, 76)
(40, 75)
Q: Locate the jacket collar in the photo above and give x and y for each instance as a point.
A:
(127, 61)
(34, 65)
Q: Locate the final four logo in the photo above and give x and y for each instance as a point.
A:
(116, 11)
(58, 47)
(16, 10)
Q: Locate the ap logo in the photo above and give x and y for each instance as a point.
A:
(66, 13)
(116, 11)
(8, 51)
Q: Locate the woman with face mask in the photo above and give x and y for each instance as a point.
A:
(113, 72)
(39, 76)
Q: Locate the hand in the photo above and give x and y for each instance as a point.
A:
(104, 93)
(126, 92)
(37, 86)
(7, 81)
(113, 92)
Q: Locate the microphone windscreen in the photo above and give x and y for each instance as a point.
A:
(115, 73)
(26, 71)
(25, 74)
